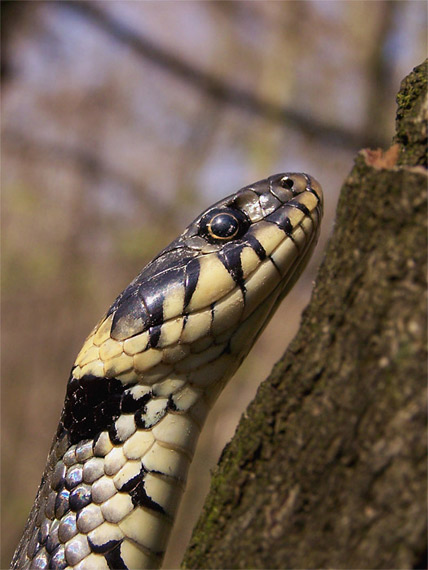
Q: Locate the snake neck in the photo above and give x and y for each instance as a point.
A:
(143, 383)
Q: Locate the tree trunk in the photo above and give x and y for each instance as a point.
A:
(327, 469)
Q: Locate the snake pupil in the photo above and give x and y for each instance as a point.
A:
(223, 225)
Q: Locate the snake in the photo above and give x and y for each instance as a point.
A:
(151, 369)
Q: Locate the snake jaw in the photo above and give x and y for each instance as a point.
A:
(143, 383)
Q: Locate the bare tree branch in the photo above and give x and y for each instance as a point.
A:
(89, 163)
(328, 467)
(215, 87)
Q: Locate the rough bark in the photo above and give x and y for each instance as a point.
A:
(327, 469)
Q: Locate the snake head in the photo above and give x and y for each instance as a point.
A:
(220, 279)
(269, 223)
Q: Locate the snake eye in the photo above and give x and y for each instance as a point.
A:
(223, 225)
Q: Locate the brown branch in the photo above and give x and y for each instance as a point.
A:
(89, 164)
(328, 466)
(379, 72)
(214, 87)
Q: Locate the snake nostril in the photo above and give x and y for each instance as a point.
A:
(287, 183)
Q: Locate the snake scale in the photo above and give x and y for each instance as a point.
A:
(148, 373)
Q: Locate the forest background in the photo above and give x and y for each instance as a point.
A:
(121, 121)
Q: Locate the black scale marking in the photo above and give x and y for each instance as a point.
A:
(112, 433)
(154, 333)
(253, 242)
(114, 559)
(140, 498)
(301, 207)
(230, 256)
(191, 279)
(141, 420)
(282, 221)
(91, 406)
(275, 265)
(140, 305)
(153, 297)
(130, 317)
(171, 404)
(131, 404)
(312, 191)
(307, 213)
(103, 548)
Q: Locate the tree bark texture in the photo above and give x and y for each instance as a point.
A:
(328, 467)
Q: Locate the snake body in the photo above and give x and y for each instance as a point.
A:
(146, 376)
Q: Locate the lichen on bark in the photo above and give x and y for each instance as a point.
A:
(327, 468)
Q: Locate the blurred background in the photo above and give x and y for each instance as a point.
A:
(121, 121)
